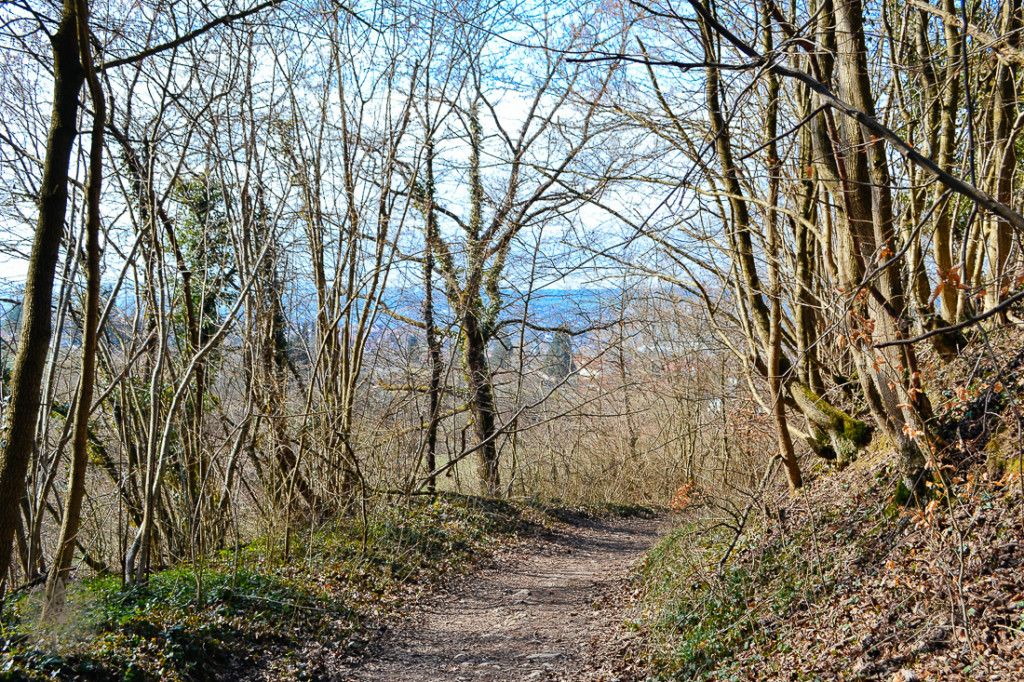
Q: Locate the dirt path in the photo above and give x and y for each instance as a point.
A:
(535, 615)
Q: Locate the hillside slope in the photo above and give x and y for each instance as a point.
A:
(844, 582)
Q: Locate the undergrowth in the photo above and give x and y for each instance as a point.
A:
(843, 582)
(847, 582)
(561, 510)
(701, 611)
(258, 608)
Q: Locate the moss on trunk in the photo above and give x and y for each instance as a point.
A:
(837, 434)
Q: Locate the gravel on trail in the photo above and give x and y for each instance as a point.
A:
(550, 609)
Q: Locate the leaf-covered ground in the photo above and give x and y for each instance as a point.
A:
(844, 582)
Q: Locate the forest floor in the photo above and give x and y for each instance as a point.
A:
(849, 579)
(549, 608)
(454, 587)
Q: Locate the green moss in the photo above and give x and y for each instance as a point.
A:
(1004, 454)
(844, 435)
(903, 494)
(823, 445)
(998, 465)
(856, 431)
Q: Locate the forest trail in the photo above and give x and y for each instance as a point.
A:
(546, 611)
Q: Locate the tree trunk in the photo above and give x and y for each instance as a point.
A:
(434, 361)
(36, 326)
(1003, 152)
(889, 378)
(946, 148)
(846, 435)
(55, 585)
(481, 400)
(774, 248)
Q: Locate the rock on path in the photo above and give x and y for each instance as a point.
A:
(531, 617)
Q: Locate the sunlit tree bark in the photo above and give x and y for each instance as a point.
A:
(19, 429)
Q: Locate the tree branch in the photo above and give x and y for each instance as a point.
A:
(879, 130)
(1019, 296)
(191, 35)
